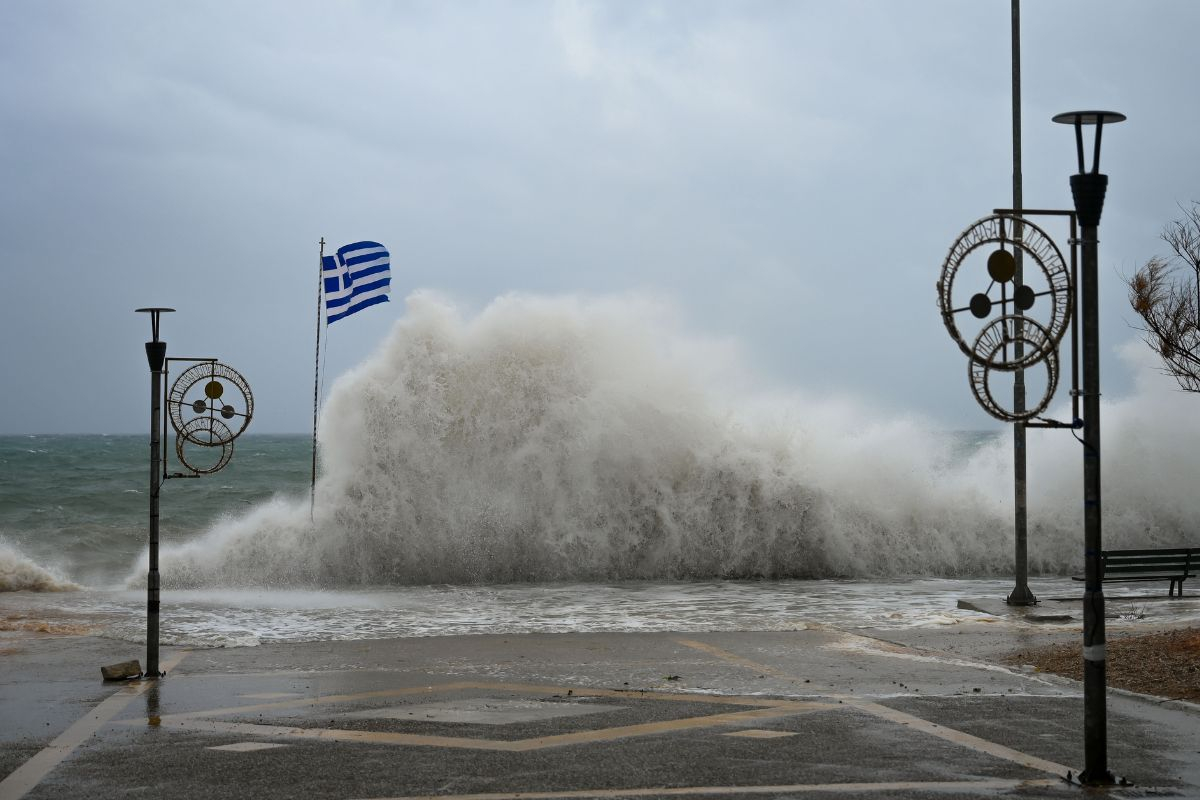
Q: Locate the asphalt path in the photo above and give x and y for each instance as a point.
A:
(808, 713)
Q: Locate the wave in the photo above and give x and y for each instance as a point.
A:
(570, 439)
(18, 572)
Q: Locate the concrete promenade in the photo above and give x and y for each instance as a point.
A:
(812, 713)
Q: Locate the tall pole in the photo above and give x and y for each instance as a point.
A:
(1095, 666)
(312, 496)
(1021, 595)
(156, 355)
(1095, 719)
(1095, 715)
(1088, 190)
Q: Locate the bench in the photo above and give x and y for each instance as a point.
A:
(1175, 564)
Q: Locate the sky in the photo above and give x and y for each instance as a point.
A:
(788, 176)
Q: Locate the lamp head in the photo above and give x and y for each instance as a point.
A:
(1081, 118)
(154, 312)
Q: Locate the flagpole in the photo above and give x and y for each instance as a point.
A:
(312, 496)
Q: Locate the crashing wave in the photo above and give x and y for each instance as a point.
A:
(18, 572)
(563, 439)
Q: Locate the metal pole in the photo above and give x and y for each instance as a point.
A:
(156, 355)
(152, 577)
(1088, 190)
(1095, 714)
(1021, 595)
(312, 495)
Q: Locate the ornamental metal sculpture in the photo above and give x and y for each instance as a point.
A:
(991, 348)
(199, 396)
(1023, 336)
(1054, 313)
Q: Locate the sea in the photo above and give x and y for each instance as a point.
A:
(560, 465)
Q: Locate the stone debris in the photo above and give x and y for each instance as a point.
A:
(123, 671)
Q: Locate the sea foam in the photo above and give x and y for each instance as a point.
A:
(571, 439)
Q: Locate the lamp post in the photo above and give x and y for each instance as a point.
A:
(1021, 594)
(1088, 188)
(201, 412)
(156, 355)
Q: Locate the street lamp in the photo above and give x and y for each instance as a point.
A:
(194, 403)
(156, 355)
(1088, 190)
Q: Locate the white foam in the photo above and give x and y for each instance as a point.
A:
(19, 572)
(552, 439)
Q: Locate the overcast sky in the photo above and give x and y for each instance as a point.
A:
(788, 174)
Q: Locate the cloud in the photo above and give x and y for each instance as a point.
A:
(790, 174)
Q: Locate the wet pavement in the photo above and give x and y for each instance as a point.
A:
(808, 713)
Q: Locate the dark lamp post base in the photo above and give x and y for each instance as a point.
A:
(1104, 778)
(1021, 596)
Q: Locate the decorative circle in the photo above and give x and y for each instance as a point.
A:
(207, 433)
(1023, 298)
(204, 382)
(1011, 342)
(992, 347)
(1002, 267)
(1054, 282)
(981, 305)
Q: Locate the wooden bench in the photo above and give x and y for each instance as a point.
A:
(1175, 564)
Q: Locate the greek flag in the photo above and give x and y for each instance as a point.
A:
(357, 276)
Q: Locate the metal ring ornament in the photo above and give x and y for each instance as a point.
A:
(205, 432)
(1042, 250)
(995, 339)
(212, 400)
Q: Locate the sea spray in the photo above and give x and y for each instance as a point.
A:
(18, 572)
(563, 439)
(1150, 448)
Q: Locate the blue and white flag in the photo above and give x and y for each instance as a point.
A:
(357, 276)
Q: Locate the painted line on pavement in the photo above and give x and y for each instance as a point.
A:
(893, 715)
(31, 773)
(459, 686)
(758, 709)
